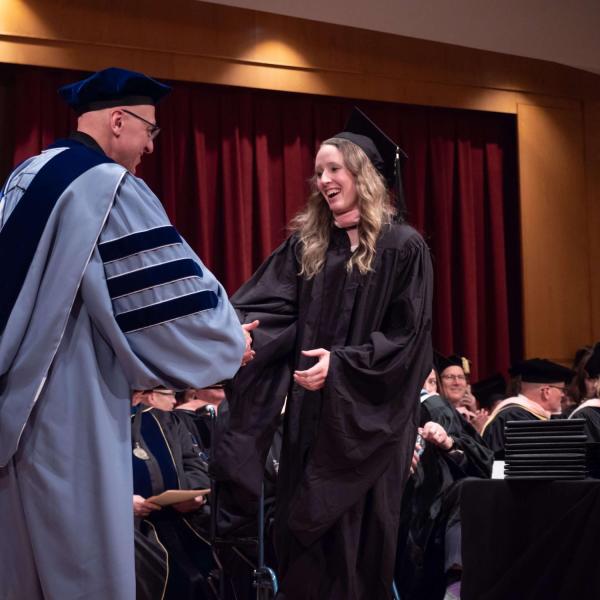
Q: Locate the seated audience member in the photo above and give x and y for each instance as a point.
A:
(568, 403)
(488, 393)
(237, 551)
(543, 385)
(192, 408)
(429, 538)
(430, 386)
(453, 379)
(173, 555)
(589, 409)
(583, 387)
(454, 385)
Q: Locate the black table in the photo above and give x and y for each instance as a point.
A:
(534, 540)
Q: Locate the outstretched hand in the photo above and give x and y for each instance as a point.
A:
(249, 354)
(314, 378)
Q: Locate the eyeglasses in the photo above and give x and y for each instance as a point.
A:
(454, 377)
(562, 390)
(153, 128)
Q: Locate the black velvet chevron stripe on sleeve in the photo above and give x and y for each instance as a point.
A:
(167, 311)
(143, 279)
(142, 241)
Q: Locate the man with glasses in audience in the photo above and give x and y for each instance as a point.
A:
(543, 386)
(453, 378)
(429, 553)
(101, 296)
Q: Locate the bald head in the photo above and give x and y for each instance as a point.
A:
(547, 395)
(124, 132)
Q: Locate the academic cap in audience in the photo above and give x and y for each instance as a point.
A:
(113, 87)
(382, 151)
(442, 362)
(489, 390)
(540, 370)
(592, 366)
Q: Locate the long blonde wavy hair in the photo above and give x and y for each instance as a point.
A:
(314, 223)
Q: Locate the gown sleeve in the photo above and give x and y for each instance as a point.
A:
(258, 392)
(494, 436)
(477, 458)
(165, 315)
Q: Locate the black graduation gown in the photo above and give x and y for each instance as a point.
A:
(591, 427)
(167, 536)
(198, 422)
(346, 448)
(493, 434)
(431, 506)
(477, 457)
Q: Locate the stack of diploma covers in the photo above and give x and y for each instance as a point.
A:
(545, 449)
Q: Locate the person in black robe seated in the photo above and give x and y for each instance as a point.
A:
(543, 385)
(345, 317)
(201, 411)
(454, 380)
(173, 555)
(589, 409)
(205, 413)
(428, 558)
(488, 393)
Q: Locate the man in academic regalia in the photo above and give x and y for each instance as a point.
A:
(542, 387)
(101, 296)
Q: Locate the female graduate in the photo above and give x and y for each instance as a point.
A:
(345, 315)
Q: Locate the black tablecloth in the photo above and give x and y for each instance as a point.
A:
(530, 540)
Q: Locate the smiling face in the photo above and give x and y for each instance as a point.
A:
(454, 384)
(334, 181)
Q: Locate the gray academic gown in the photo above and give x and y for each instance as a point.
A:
(113, 300)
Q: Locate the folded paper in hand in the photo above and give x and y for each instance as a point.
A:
(174, 496)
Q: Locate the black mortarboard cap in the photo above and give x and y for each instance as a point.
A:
(383, 152)
(592, 366)
(113, 87)
(489, 390)
(443, 362)
(540, 370)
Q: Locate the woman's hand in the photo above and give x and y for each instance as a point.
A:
(141, 506)
(314, 378)
(189, 505)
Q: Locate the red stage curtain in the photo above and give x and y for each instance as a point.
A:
(231, 166)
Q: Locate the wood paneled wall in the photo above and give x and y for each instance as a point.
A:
(558, 111)
(554, 233)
